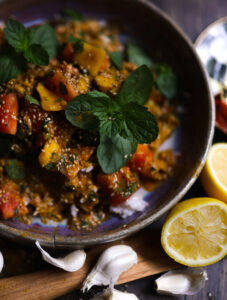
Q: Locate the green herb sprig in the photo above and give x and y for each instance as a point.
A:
(166, 80)
(34, 45)
(122, 123)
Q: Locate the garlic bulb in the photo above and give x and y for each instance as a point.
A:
(112, 262)
(1, 261)
(112, 294)
(71, 262)
(183, 281)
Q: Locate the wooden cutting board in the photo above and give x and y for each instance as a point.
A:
(53, 282)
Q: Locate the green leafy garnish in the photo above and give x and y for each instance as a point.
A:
(36, 54)
(36, 45)
(16, 34)
(78, 44)
(116, 58)
(166, 80)
(14, 169)
(32, 100)
(137, 87)
(122, 123)
(74, 15)
(113, 153)
(11, 64)
(137, 56)
(46, 37)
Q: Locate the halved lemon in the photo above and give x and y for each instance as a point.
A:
(195, 232)
(214, 174)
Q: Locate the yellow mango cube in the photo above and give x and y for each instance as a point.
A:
(91, 58)
(50, 153)
(50, 101)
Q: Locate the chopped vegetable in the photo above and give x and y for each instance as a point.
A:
(8, 113)
(10, 201)
(50, 154)
(91, 58)
(50, 101)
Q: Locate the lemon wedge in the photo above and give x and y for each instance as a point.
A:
(214, 174)
(195, 232)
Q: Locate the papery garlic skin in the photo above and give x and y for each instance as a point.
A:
(181, 282)
(112, 262)
(112, 294)
(1, 261)
(71, 262)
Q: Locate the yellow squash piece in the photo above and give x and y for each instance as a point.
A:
(91, 58)
(50, 153)
(106, 82)
(50, 101)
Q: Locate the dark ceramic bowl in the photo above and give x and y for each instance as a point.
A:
(141, 21)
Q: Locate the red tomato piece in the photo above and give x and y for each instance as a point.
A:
(141, 158)
(10, 200)
(119, 186)
(8, 113)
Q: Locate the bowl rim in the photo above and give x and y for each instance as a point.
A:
(71, 242)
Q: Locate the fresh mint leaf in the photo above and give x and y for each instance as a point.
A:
(37, 55)
(32, 100)
(11, 64)
(166, 80)
(46, 37)
(137, 56)
(16, 34)
(78, 44)
(141, 124)
(137, 87)
(14, 169)
(73, 14)
(78, 112)
(113, 153)
(117, 59)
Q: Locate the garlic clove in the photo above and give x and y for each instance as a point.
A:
(1, 261)
(112, 294)
(112, 262)
(181, 282)
(71, 262)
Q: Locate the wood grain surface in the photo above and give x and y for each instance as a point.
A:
(48, 284)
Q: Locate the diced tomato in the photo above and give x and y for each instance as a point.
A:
(119, 186)
(10, 200)
(221, 113)
(141, 158)
(8, 113)
(63, 82)
(68, 52)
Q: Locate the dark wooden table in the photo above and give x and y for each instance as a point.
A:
(192, 16)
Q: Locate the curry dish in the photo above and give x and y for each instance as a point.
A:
(53, 164)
